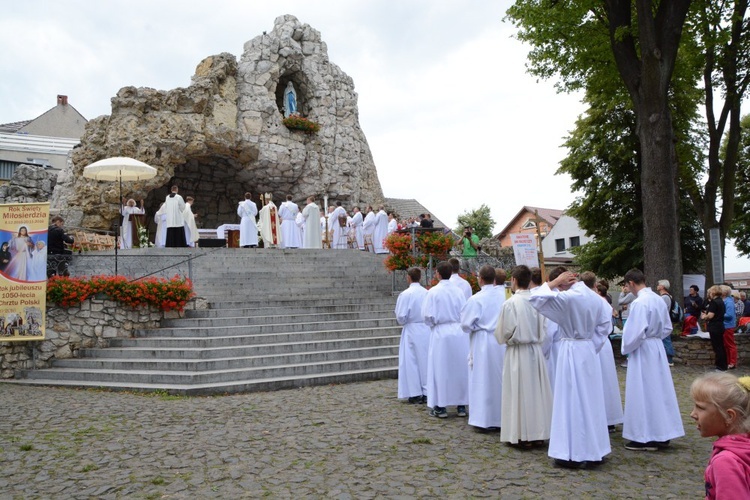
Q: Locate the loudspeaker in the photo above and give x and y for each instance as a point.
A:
(212, 242)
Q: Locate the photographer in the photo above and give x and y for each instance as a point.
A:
(56, 240)
(470, 243)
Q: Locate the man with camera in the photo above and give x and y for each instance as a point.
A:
(58, 256)
(470, 243)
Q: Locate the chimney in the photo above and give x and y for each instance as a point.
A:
(62, 99)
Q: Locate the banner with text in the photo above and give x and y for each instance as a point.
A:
(524, 249)
(23, 271)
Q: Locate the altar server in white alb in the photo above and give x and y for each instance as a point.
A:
(392, 223)
(380, 231)
(456, 279)
(191, 229)
(479, 319)
(247, 210)
(291, 237)
(337, 223)
(160, 218)
(447, 369)
(356, 225)
(610, 383)
(311, 214)
(652, 415)
(527, 396)
(368, 226)
(579, 436)
(551, 345)
(415, 340)
(126, 233)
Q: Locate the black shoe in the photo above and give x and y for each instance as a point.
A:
(424, 400)
(439, 412)
(415, 400)
(660, 444)
(461, 411)
(636, 446)
(570, 464)
(611, 429)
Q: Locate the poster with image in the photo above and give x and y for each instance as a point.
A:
(23, 270)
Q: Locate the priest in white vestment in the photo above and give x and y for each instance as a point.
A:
(457, 280)
(610, 382)
(527, 396)
(291, 237)
(247, 210)
(579, 436)
(339, 238)
(174, 206)
(415, 340)
(269, 224)
(311, 214)
(652, 415)
(368, 226)
(126, 232)
(191, 229)
(479, 319)
(380, 231)
(160, 218)
(447, 369)
(356, 225)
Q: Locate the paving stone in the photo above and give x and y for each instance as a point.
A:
(337, 441)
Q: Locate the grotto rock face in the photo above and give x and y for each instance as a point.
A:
(223, 135)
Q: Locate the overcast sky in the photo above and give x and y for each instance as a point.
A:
(450, 114)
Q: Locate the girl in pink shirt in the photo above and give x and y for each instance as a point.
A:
(722, 409)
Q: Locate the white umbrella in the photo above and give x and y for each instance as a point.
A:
(119, 168)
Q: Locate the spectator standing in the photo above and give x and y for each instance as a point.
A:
(693, 306)
(730, 320)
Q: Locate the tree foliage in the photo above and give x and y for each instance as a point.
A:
(601, 47)
(480, 219)
(740, 229)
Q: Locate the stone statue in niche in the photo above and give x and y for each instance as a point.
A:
(290, 100)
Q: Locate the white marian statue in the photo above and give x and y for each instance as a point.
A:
(290, 100)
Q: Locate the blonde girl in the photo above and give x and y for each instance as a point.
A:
(722, 409)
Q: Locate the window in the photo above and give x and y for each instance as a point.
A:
(575, 241)
(529, 224)
(560, 245)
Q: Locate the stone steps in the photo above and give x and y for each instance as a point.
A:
(276, 319)
(303, 318)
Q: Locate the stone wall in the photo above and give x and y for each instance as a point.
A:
(90, 325)
(698, 352)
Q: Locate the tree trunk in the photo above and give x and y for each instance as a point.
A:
(661, 228)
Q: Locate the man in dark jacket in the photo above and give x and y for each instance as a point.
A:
(56, 240)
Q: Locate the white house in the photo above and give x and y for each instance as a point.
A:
(564, 236)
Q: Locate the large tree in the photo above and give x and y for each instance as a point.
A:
(713, 51)
(644, 37)
(721, 32)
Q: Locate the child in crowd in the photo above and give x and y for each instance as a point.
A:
(722, 409)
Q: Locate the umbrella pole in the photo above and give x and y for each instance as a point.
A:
(117, 226)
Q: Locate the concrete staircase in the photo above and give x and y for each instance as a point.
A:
(276, 319)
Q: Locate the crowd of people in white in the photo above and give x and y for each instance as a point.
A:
(286, 226)
(538, 365)
(283, 226)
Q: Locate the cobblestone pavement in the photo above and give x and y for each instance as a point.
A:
(344, 441)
